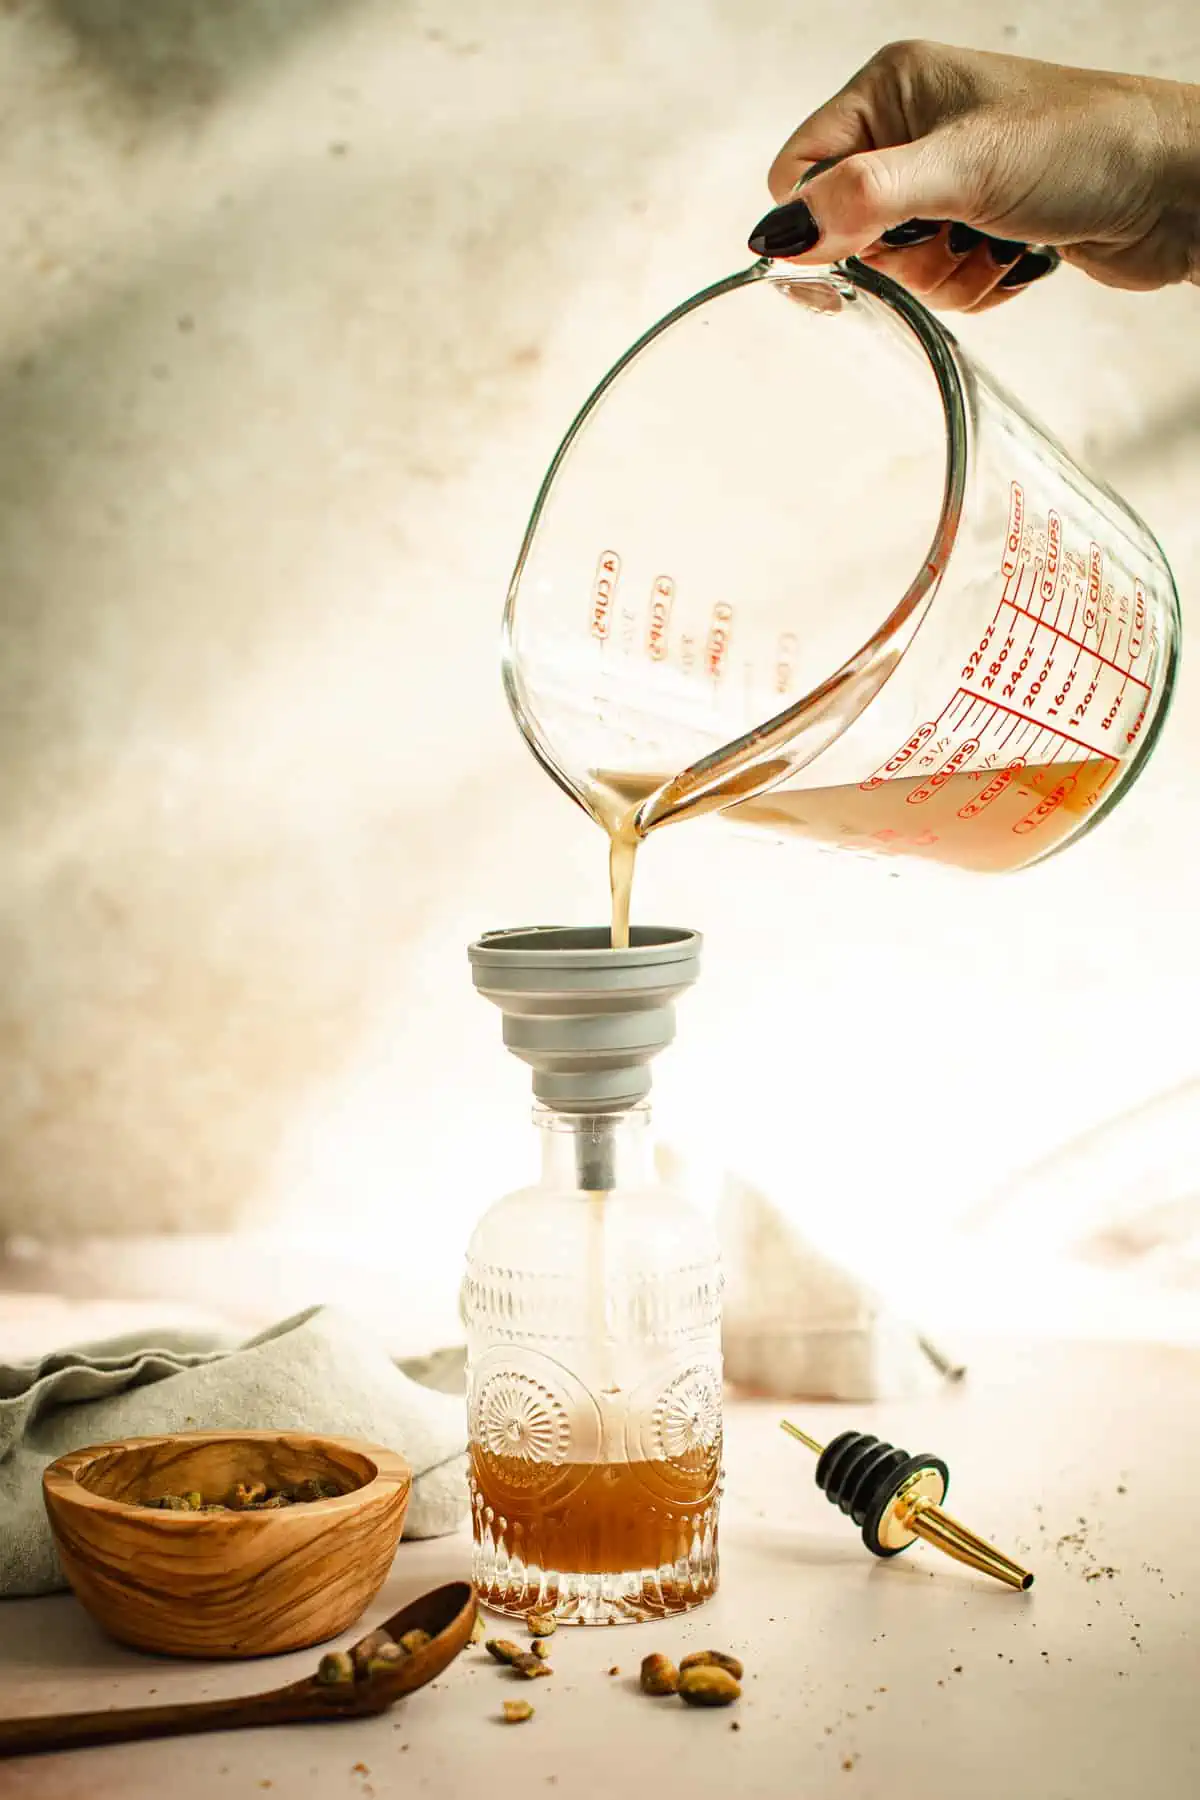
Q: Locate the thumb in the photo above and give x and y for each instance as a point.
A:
(836, 131)
(851, 204)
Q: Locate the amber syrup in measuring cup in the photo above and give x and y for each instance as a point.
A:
(976, 820)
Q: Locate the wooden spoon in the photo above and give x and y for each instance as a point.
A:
(447, 1614)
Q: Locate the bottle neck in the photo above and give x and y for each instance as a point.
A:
(596, 1152)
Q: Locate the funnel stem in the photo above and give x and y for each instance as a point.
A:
(596, 1160)
(596, 1153)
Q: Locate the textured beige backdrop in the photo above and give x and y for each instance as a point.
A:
(296, 300)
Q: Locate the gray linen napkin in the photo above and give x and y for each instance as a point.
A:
(318, 1371)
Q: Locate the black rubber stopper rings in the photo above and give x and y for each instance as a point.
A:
(862, 1475)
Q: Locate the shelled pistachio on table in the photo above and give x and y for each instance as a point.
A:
(703, 1678)
(529, 1663)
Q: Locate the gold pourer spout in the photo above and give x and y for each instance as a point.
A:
(948, 1534)
(896, 1498)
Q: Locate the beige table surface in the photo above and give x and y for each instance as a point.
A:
(907, 1679)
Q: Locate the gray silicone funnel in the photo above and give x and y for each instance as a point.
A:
(587, 1019)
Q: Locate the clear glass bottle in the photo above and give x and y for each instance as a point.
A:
(592, 1308)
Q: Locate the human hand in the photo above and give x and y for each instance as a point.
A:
(966, 176)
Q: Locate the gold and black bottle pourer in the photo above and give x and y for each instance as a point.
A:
(897, 1498)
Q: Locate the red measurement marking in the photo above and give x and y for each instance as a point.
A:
(1139, 621)
(1052, 730)
(1037, 570)
(1053, 557)
(1067, 639)
(1015, 726)
(1046, 806)
(1063, 589)
(935, 753)
(1132, 733)
(929, 788)
(1082, 707)
(980, 651)
(604, 589)
(992, 791)
(718, 638)
(1015, 673)
(1095, 582)
(1103, 781)
(1016, 522)
(662, 596)
(886, 835)
(894, 764)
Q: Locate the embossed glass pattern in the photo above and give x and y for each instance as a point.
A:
(594, 1382)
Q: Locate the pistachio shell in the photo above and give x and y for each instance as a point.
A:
(659, 1675)
(335, 1669)
(704, 1684)
(716, 1659)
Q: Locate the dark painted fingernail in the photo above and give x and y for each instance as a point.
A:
(1031, 267)
(912, 232)
(962, 239)
(1004, 250)
(787, 230)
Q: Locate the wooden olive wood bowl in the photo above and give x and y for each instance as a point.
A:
(225, 1584)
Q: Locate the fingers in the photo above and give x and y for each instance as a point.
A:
(959, 269)
(904, 91)
(847, 208)
(952, 266)
(839, 128)
(1013, 148)
(1033, 266)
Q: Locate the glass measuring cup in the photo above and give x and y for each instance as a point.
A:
(800, 560)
